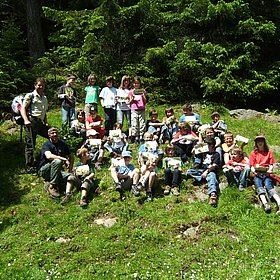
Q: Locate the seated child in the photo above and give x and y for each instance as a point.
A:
(219, 126)
(261, 161)
(209, 133)
(82, 177)
(206, 167)
(184, 141)
(124, 174)
(116, 141)
(94, 121)
(150, 146)
(94, 147)
(237, 170)
(170, 126)
(229, 144)
(192, 118)
(172, 171)
(78, 125)
(148, 176)
(153, 125)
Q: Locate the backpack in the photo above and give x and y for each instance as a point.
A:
(16, 107)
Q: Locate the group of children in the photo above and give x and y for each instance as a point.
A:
(169, 143)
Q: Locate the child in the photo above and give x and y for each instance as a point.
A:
(170, 126)
(229, 144)
(219, 126)
(192, 118)
(125, 175)
(148, 147)
(94, 121)
(122, 99)
(206, 167)
(148, 176)
(82, 177)
(209, 133)
(94, 147)
(78, 126)
(237, 169)
(153, 125)
(137, 101)
(184, 141)
(116, 143)
(261, 161)
(108, 102)
(67, 93)
(92, 90)
(172, 171)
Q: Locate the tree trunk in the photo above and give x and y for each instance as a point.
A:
(35, 38)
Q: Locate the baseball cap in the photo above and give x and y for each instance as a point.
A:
(127, 154)
(92, 132)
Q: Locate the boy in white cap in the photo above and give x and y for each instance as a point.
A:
(124, 174)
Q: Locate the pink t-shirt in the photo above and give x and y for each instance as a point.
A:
(138, 102)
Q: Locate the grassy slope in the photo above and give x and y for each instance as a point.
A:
(234, 241)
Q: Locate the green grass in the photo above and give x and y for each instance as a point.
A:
(169, 238)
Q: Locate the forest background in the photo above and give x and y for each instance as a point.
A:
(218, 51)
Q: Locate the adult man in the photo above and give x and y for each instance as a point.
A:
(67, 93)
(55, 154)
(33, 111)
(206, 168)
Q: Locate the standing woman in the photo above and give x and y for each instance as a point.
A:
(122, 99)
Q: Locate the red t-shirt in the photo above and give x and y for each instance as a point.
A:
(261, 158)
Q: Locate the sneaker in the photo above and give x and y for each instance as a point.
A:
(134, 190)
(118, 187)
(83, 202)
(267, 208)
(175, 191)
(167, 190)
(98, 166)
(67, 198)
(53, 192)
(213, 199)
(241, 188)
(139, 186)
(31, 170)
(278, 211)
(46, 186)
(149, 197)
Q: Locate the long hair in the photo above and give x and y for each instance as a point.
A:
(124, 78)
(265, 146)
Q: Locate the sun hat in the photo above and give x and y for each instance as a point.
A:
(92, 132)
(127, 154)
(215, 114)
(259, 137)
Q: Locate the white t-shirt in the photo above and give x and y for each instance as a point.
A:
(108, 95)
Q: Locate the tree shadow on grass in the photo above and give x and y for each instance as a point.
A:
(11, 166)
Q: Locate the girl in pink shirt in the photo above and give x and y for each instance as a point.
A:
(137, 101)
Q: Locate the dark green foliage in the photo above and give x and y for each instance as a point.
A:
(225, 51)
